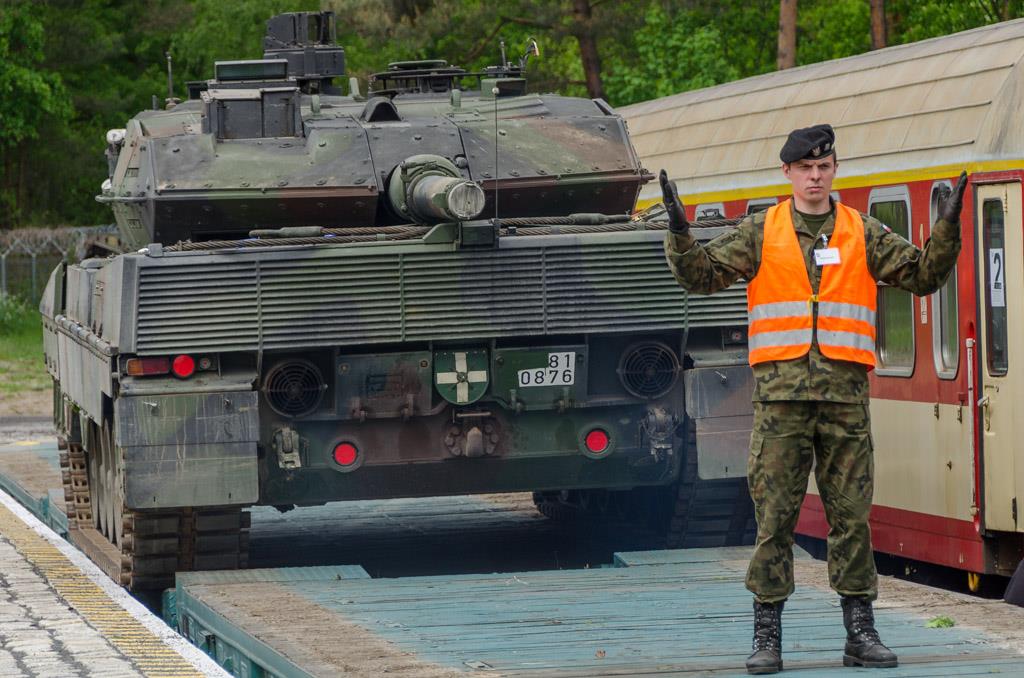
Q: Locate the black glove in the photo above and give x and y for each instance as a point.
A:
(677, 222)
(951, 203)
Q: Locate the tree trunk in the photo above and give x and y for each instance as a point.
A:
(584, 30)
(6, 182)
(21, 206)
(879, 39)
(787, 34)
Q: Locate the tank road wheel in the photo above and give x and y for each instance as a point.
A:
(112, 509)
(101, 479)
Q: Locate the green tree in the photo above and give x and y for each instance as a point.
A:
(912, 20)
(832, 30)
(29, 97)
(110, 53)
(672, 53)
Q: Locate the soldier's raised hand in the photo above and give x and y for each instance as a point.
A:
(677, 222)
(951, 203)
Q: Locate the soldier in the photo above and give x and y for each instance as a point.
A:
(812, 264)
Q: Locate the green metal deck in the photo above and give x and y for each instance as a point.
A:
(655, 613)
(30, 472)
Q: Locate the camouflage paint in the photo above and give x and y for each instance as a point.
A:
(787, 438)
(381, 322)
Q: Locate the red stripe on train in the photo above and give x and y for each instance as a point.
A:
(909, 534)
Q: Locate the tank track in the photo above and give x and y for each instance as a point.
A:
(691, 513)
(708, 513)
(153, 544)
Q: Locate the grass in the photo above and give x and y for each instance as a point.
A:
(21, 349)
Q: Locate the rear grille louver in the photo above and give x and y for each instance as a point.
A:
(332, 299)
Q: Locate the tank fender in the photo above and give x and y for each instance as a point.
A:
(718, 400)
(188, 449)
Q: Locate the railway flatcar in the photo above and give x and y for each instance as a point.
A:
(947, 396)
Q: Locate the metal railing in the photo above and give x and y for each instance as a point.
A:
(27, 255)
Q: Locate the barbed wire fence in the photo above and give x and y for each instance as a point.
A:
(28, 255)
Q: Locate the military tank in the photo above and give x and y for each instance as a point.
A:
(433, 288)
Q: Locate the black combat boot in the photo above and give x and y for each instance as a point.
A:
(863, 647)
(767, 656)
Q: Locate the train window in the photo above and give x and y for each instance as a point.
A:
(945, 335)
(760, 204)
(995, 287)
(895, 319)
(710, 210)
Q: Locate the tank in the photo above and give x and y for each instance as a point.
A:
(433, 288)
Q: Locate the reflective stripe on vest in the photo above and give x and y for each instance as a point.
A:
(780, 302)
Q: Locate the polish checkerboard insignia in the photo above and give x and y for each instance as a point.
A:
(461, 377)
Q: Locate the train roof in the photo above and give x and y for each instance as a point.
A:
(937, 103)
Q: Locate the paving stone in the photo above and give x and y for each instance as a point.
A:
(40, 637)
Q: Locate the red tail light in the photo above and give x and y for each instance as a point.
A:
(597, 441)
(183, 366)
(141, 367)
(345, 454)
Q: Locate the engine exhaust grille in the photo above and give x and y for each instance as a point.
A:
(294, 388)
(648, 369)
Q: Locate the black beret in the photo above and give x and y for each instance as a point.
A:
(809, 143)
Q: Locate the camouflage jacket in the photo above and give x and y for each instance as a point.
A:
(713, 266)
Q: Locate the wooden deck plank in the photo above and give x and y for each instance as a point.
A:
(680, 556)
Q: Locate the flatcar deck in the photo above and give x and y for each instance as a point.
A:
(659, 613)
(663, 613)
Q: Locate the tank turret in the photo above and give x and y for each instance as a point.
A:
(269, 143)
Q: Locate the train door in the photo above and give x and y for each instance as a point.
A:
(1001, 349)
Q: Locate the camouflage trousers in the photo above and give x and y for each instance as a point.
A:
(787, 437)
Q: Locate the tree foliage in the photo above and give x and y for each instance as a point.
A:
(72, 69)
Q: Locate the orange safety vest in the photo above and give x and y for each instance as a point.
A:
(780, 300)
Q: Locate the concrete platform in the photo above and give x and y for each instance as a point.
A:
(61, 617)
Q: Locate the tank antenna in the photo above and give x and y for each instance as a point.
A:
(170, 78)
(494, 92)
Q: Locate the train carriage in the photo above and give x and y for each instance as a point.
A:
(947, 397)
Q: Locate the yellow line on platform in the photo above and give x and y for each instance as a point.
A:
(150, 654)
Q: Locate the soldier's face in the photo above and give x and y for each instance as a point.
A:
(812, 179)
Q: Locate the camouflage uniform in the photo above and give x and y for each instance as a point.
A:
(812, 407)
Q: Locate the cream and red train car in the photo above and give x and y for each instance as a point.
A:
(947, 397)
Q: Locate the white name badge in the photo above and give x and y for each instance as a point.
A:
(827, 257)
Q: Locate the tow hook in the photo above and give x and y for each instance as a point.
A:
(658, 428)
(287, 443)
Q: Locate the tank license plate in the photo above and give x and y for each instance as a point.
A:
(560, 371)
